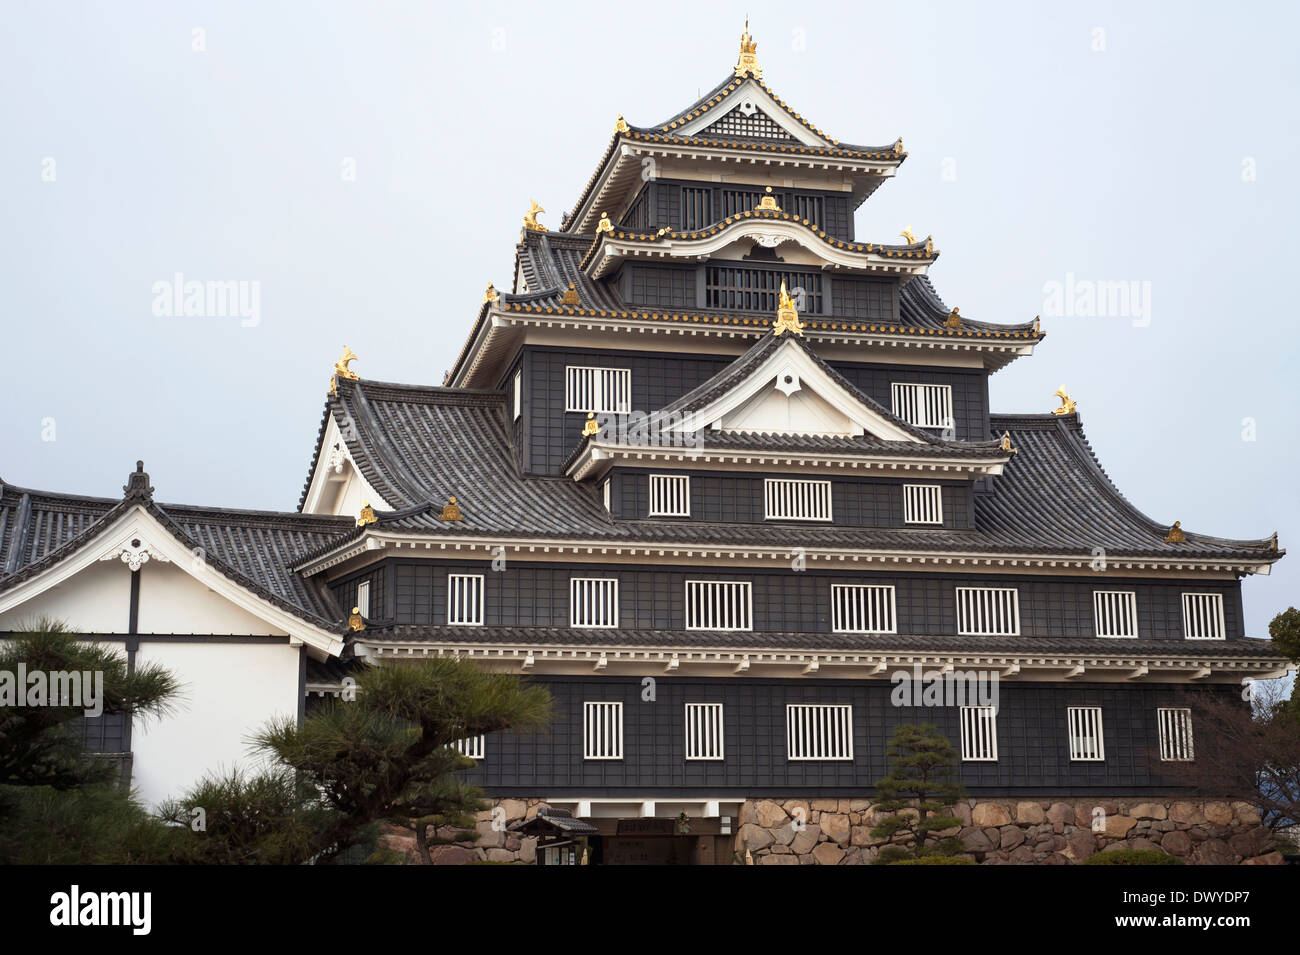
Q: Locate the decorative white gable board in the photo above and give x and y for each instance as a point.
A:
(230, 691)
(337, 485)
(748, 101)
(789, 392)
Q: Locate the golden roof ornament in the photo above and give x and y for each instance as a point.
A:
(367, 515)
(1006, 443)
(929, 245)
(768, 202)
(451, 511)
(747, 64)
(1275, 542)
(589, 427)
(530, 217)
(604, 225)
(954, 319)
(570, 296)
(907, 234)
(621, 126)
(1067, 403)
(1037, 326)
(355, 620)
(491, 294)
(341, 370)
(1176, 535)
(898, 146)
(787, 317)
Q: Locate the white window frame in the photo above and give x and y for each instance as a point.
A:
(972, 626)
(863, 603)
(813, 730)
(923, 504)
(922, 403)
(708, 592)
(979, 734)
(669, 489)
(785, 498)
(363, 599)
(1109, 610)
(604, 592)
(704, 732)
(602, 730)
(1211, 601)
(1174, 724)
(604, 494)
(519, 393)
(594, 393)
(455, 585)
(471, 746)
(1081, 718)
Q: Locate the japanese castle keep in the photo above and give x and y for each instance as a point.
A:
(716, 470)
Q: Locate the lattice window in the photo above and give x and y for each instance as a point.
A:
(719, 605)
(736, 201)
(757, 290)
(1115, 613)
(1203, 617)
(1175, 725)
(793, 499)
(598, 389)
(757, 125)
(670, 495)
(979, 734)
(465, 599)
(863, 608)
(812, 208)
(697, 207)
(602, 730)
(704, 731)
(472, 746)
(593, 602)
(926, 406)
(818, 731)
(922, 504)
(1084, 726)
(988, 611)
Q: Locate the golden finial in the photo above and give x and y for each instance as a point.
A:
(1006, 443)
(530, 217)
(954, 319)
(898, 146)
(604, 225)
(367, 515)
(1175, 535)
(491, 295)
(355, 621)
(787, 317)
(1275, 542)
(621, 126)
(341, 370)
(907, 234)
(768, 202)
(451, 511)
(1067, 403)
(747, 65)
(570, 296)
(589, 427)
(1036, 325)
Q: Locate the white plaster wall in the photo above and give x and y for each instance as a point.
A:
(229, 691)
(96, 600)
(802, 412)
(171, 601)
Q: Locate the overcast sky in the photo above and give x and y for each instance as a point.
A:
(367, 165)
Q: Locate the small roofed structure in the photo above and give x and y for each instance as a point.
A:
(561, 838)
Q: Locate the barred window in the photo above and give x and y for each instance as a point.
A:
(602, 730)
(1115, 612)
(926, 406)
(704, 731)
(471, 746)
(758, 290)
(988, 611)
(862, 608)
(819, 731)
(794, 499)
(1203, 617)
(922, 504)
(736, 201)
(465, 599)
(363, 599)
(598, 389)
(697, 207)
(670, 495)
(719, 605)
(1084, 724)
(979, 733)
(811, 208)
(593, 602)
(1175, 734)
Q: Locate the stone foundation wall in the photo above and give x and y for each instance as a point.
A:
(1016, 832)
(492, 845)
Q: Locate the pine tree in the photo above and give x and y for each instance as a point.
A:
(919, 788)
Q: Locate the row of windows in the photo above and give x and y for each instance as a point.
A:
(792, 499)
(609, 390)
(821, 732)
(855, 608)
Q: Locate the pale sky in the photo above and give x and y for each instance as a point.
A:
(1156, 145)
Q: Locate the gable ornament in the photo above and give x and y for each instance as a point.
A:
(787, 318)
(451, 511)
(367, 515)
(954, 319)
(747, 64)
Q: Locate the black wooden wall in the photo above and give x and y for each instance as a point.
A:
(970, 391)
(1033, 750)
(659, 205)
